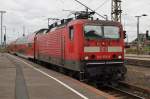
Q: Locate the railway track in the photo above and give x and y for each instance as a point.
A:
(140, 91)
(127, 91)
(136, 62)
(121, 94)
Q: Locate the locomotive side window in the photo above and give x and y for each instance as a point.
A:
(71, 32)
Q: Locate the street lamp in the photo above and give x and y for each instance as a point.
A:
(138, 26)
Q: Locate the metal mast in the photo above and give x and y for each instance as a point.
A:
(116, 10)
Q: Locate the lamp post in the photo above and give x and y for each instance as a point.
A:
(138, 32)
(2, 12)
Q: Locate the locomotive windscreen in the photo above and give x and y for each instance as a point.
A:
(98, 32)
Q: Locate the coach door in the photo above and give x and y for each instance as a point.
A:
(71, 42)
(62, 49)
(35, 47)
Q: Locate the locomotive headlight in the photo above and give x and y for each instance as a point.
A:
(119, 57)
(86, 57)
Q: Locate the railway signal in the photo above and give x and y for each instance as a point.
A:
(125, 35)
(147, 34)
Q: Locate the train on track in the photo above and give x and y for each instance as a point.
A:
(89, 49)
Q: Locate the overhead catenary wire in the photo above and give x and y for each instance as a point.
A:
(105, 2)
(62, 1)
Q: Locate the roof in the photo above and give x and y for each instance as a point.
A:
(101, 22)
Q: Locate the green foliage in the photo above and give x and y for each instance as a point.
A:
(145, 50)
(131, 51)
(3, 50)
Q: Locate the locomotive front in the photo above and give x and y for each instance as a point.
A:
(103, 50)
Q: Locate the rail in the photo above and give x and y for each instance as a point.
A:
(127, 91)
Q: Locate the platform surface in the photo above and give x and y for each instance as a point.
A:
(138, 57)
(22, 79)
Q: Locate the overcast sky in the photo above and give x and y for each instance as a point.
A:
(33, 14)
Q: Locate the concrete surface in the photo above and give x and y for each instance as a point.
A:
(36, 82)
(138, 57)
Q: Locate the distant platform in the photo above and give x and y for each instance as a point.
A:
(22, 79)
(137, 60)
(138, 57)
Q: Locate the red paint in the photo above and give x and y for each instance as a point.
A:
(57, 43)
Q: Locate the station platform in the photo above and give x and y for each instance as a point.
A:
(22, 79)
(138, 57)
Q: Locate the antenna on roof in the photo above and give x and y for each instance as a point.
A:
(87, 8)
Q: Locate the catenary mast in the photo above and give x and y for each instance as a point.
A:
(116, 10)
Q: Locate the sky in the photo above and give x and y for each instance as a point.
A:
(33, 14)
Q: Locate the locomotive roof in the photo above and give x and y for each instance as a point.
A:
(81, 21)
(84, 21)
(30, 37)
(101, 22)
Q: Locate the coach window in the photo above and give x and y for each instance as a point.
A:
(71, 32)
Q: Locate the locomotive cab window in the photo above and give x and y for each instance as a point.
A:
(71, 33)
(93, 32)
(111, 32)
(98, 32)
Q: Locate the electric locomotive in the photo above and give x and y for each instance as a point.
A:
(89, 49)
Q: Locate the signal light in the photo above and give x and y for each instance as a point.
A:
(124, 34)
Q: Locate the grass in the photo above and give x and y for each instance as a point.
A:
(131, 51)
(145, 50)
(3, 50)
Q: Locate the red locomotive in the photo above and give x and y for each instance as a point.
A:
(90, 49)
